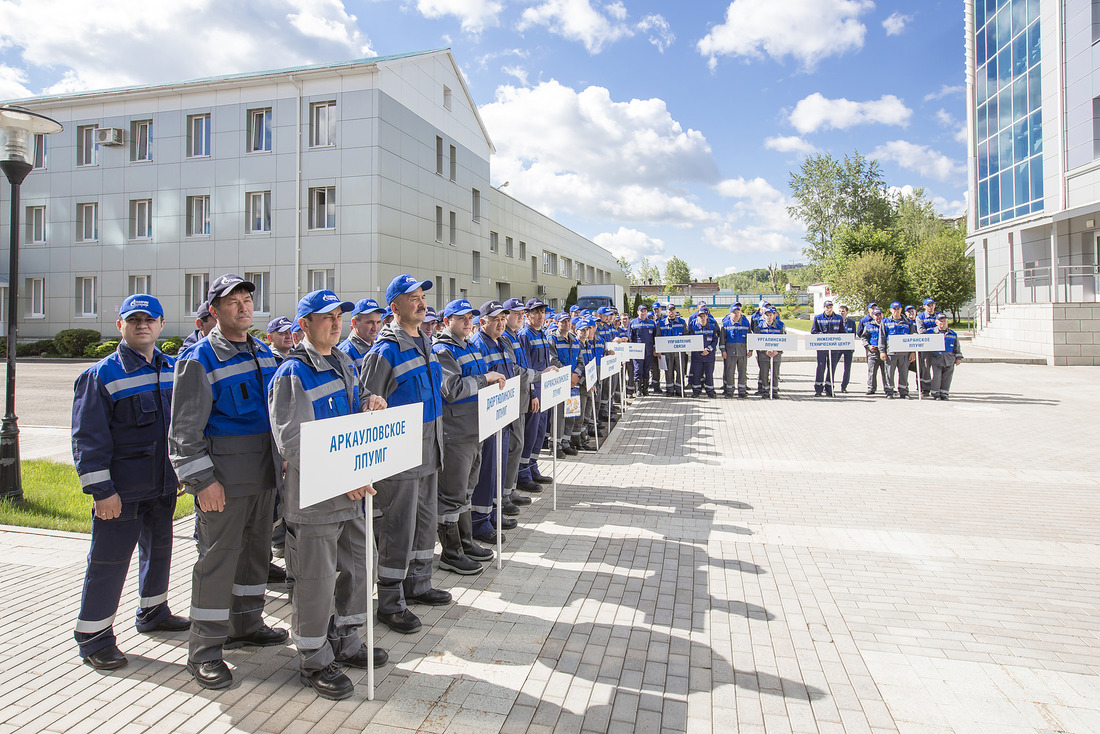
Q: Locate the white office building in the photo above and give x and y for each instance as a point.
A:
(1033, 113)
(335, 176)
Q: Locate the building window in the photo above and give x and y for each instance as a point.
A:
(453, 236)
(87, 222)
(446, 97)
(87, 152)
(579, 272)
(439, 224)
(195, 288)
(198, 216)
(566, 267)
(508, 248)
(322, 208)
(321, 280)
(198, 136)
(259, 130)
(322, 124)
(522, 250)
(141, 284)
(494, 242)
(40, 151)
(476, 206)
(439, 303)
(549, 263)
(591, 274)
(141, 219)
(141, 140)
(475, 267)
(258, 204)
(36, 225)
(260, 296)
(36, 297)
(454, 164)
(450, 289)
(439, 155)
(85, 296)
(534, 269)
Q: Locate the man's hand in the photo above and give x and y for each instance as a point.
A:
(495, 378)
(551, 368)
(376, 402)
(211, 499)
(912, 356)
(358, 494)
(706, 352)
(574, 380)
(873, 349)
(109, 508)
(749, 353)
(534, 405)
(772, 353)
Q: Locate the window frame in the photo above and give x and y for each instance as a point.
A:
(322, 197)
(191, 219)
(36, 291)
(87, 150)
(84, 294)
(205, 139)
(192, 299)
(266, 143)
(139, 138)
(261, 297)
(475, 267)
(329, 279)
(138, 222)
(132, 282)
(250, 199)
(40, 151)
(316, 139)
(31, 236)
(82, 221)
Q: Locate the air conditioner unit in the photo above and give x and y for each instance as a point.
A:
(542, 290)
(108, 136)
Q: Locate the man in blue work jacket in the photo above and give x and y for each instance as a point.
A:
(401, 368)
(366, 322)
(541, 357)
(897, 362)
(568, 350)
(926, 323)
(221, 446)
(874, 343)
(327, 540)
(658, 317)
(120, 446)
(204, 322)
(735, 352)
(675, 362)
(846, 354)
(943, 363)
(643, 330)
(702, 363)
(826, 322)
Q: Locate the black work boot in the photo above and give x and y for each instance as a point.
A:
(466, 537)
(452, 558)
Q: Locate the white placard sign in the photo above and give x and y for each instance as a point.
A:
(497, 407)
(590, 374)
(609, 366)
(350, 451)
(821, 342)
(573, 406)
(915, 342)
(629, 350)
(688, 343)
(555, 388)
(773, 342)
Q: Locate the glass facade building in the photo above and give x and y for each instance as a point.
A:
(1009, 109)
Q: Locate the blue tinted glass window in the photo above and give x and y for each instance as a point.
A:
(994, 157)
(980, 118)
(979, 14)
(991, 39)
(1034, 89)
(1004, 108)
(1019, 99)
(983, 160)
(1019, 141)
(1032, 10)
(1034, 51)
(1036, 124)
(1023, 181)
(1004, 66)
(991, 75)
(1004, 27)
(979, 86)
(994, 195)
(983, 199)
(1019, 55)
(991, 128)
(1019, 16)
(1007, 201)
(979, 49)
(1036, 180)
(1004, 142)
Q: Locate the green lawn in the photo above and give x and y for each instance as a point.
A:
(803, 324)
(53, 500)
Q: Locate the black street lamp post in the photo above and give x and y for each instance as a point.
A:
(18, 128)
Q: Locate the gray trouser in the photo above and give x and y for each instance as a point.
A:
(604, 392)
(675, 370)
(514, 436)
(735, 364)
(330, 560)
(655, 372)
(565, 425)
(230, 576)
(406, 538)
(897, 362)
(940, 382)
(463, 462)
(924, 359)
(764, 363)
(585, 419)
(875, 367)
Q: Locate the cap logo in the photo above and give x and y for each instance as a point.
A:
(329, 297)
(143, 304)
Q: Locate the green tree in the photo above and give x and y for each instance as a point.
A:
(870, 276)
(648, 273)
(915, 219)
(624, 265)
(677, 273)
(830, 193)
(637, 302)
(851, 242)
(940, 268)
(572, 297)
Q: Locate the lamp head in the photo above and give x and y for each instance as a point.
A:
(18, 126)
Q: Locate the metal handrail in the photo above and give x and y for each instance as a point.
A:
(1038, 283)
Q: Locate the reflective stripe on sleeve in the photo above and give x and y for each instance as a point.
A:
(126, 383)
(209, 615)
(323, 391)
(191, 468)
(221, 373)
(251, 590)
(310, 643)
(151, 601)
(95, 477)
(412, 364)
(91, 626)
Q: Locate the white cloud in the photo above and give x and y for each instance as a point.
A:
(577, 20)
(948, 120)
(583, 153)
(750, 239)
(817, 112)
(660, 31)
(945, 91)
(895, 24)
(137, 42)
(516, 71)
(757, 189)
(920, 158)
(790, 144)
(633, 245)
(13, 83)
(807, 30)
(759, 203)
(943, 207)
(476, 15)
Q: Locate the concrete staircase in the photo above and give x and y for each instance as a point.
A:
(1061, 333)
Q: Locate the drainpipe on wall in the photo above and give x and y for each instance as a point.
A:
(298, 195)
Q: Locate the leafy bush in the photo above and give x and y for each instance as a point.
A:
(172, 345)
(34, 349)
(101, 350)
(73, 342)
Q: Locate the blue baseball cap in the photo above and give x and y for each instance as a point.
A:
(533, 303)
(872, 304)
(365, 306)
(562, 316)
(704, 309)
(910, 307)
(491, 308)
(431, 316)
(459, 307)
(877, 312)
(941, 316)
(514, 304)
(657, 305)
(736, 305)
(929, 300)
(603, 311)
(387, 313)
(586, 324)
(140, 303)
(279, 323)
(322, 301)
(574, 308)
(895, 304)
(769, 309)
(203, 311)
(405, 284)
(223, 285)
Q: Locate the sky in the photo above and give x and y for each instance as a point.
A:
(655, 129)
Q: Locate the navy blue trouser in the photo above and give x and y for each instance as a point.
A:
(642, 368)
(146, 525)
(702, 375)
(484, 496)
(822, 381)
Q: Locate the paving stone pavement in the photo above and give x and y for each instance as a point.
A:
(800, 565)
